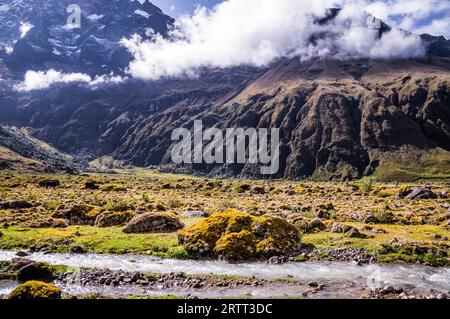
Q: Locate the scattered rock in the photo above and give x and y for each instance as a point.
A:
(49, 183)
(109, 219)
(17, 204)
(371, 220)
(195, 213)
(18, 263)
(91, 186)
(387, 290)
(79, 214)
(78, 250)
(257, 190)
(354, 233)
(277, 260)
(48, 223)
(420, 193)
(35, 290)
(36, 271)
(153, 223)
(323, 214)
(314, 224)
(21, 253)
(313, 284)
(339, 228)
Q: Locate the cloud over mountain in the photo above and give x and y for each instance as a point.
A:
(256, 32)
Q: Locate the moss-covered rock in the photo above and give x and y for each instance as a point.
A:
(49, 183)
(48, 223)
(234, 235)
(36, 271)
(155, 222)
(79, 214)
(109, 219)
(113, 188)
(35, 290)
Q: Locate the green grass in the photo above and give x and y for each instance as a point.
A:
(410, 233)
(421, 234)
(414, 165)
(94, 240)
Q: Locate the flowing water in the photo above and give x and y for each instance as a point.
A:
(341, 280)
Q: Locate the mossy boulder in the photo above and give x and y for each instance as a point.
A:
(16, 204)
(109, 219)
(91, 185)
(79, 214)
(154, 222)
(36, 271)
(35, 290)
(49, 183)
(113, 188)
(233, 235)
(48, 223)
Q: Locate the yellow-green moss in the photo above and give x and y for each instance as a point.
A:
(35, 290)
(234, 235)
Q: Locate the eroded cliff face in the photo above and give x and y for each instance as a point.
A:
(338, 120)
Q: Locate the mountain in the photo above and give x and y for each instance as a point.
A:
(94, 48)
(339, 119)
(20, 151)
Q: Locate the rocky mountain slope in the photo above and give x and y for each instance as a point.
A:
(20, 151)
(339, 118)
(35, 34)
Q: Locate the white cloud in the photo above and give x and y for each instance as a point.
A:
(256, 32)
(436, 27)
(44, 79)
(414, 15)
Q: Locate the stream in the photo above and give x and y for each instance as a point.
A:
(339, 279)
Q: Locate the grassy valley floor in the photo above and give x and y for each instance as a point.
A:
(412, 231)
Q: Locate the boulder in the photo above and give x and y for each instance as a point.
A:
(195, 213)
(314, 224)
(18, 263)
(16, 204)
(155, 222)
(48, 223)
(371, 220)
(109, 219)
(354, 233)
(233, 235)
(91, 186)
(259, 190)
(339, 228)
(420, 193)
(35, 290)
(79, 214)
(36, 271)
(49, 183)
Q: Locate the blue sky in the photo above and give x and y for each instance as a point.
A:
(177, 7)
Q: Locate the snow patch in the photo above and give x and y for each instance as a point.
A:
(143, 13)
(4, 7)
(95, 17)
(25, 27)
